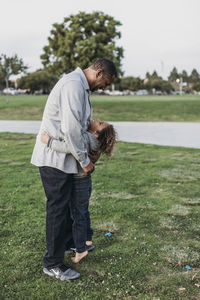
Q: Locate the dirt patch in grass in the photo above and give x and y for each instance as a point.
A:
(168, 223)
(181, 173)
(120, 195)
(191, 202)
(107, 226)
(17, 137)
(17, 163)
(21, 113)
(180, 256)
(5, 161)
(133, 153)
(150, 160)
(178, 210)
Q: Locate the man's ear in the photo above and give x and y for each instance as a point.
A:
(99, 73)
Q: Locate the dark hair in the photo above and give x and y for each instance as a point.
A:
(107, 66)
(107, 140)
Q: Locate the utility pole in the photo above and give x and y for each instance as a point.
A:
(180, 82)
(181, 86)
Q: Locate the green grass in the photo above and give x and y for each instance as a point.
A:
(119, 108)
(147, 196)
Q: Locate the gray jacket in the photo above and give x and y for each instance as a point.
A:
(66, 116)
(91, 143)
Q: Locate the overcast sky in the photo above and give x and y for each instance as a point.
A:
(156, 34)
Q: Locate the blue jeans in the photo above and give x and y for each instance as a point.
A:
(82, 188)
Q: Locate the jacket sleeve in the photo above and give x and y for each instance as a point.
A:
(72, 106)
(59, 145)
(62, 146)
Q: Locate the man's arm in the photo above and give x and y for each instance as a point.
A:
(72, 105)
(94, 156)
(55, 144)
(61, 146)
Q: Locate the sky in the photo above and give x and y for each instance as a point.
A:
(156, 34)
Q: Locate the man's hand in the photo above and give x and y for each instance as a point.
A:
(94, 156)
(88, 169)
(44, 137)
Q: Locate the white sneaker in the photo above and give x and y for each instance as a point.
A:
(63, 273)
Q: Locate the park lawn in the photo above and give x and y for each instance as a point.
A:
(147, 196)
(185, 108)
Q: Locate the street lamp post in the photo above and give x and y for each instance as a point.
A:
(180, 82)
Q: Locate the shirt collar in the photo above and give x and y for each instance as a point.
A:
(83, 78)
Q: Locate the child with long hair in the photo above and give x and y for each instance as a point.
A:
(100, 137)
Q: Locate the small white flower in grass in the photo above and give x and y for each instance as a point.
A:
(132, 287)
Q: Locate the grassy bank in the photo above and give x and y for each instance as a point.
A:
(147, 196)
(120, 108)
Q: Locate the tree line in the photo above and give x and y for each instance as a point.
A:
(78, 41)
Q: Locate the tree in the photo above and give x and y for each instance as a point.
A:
(147, 75)
(80, 40)
(10, 66)
(39, 80)
(154, 75)
(159, 85)
(2, 81)
(173, 75)
(130, 83)
(196, 87)
(184, 76)
(194, 76)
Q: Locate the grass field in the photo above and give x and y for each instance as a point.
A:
(120, 108)
(147, 196)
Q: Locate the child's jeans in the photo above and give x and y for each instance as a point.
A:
(82, 232)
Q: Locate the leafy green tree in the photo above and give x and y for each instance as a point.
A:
(10, 66)
(39, 80)
(80, 40)
(2, 81)
(152, 76)
(184, 76)
(194, 76)
(148, 76)
(173, 75)
(159, 85)
(196, 87)
(155, 75)
(130, 83)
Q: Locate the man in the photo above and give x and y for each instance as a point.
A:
(67, 114)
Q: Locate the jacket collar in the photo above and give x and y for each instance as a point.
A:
(83, 78)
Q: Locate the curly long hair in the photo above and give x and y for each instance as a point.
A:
(107, 139)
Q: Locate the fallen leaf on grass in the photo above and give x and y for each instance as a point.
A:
(133, 153)
(182, 289)
(193, 277)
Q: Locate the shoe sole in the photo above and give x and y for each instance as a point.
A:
(73, 250)
(69, 251)
(90, 248)
(59, 277)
